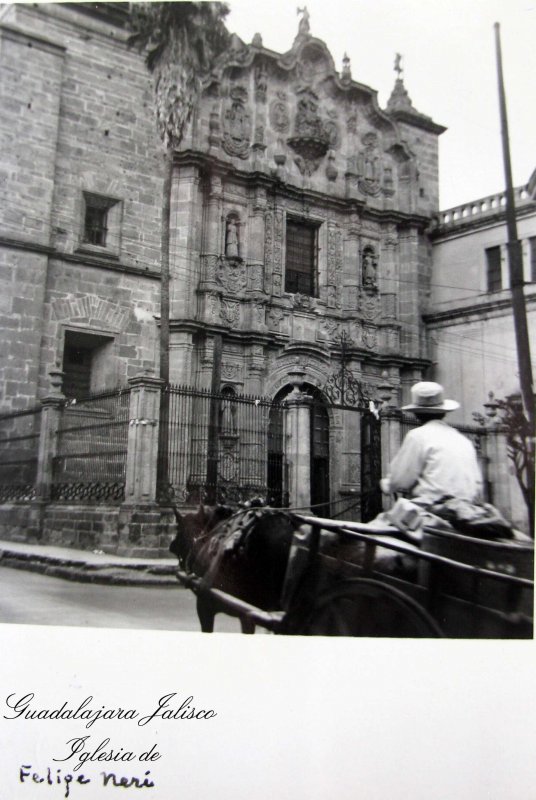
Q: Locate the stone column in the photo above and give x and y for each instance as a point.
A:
(48, 443)
(499, 467)
(298, 447)
(390, 443)
(350, 293)
(48, 440)
(140, 517)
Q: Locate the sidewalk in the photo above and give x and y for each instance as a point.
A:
(87, 566)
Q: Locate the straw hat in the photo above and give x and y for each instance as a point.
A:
(428, 397)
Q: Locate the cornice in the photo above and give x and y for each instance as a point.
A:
(210, 165)
(482, 309)
(93, 261)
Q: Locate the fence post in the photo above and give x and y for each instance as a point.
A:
(298, 447)
(140, 518)
(390, 443)
(499, 470)
(50, 421)
(52, 407)
(142, 448)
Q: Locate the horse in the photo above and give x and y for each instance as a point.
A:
(244, 554)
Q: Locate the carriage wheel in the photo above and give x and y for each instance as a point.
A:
(365, 607)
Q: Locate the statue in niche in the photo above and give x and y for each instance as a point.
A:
(231, 239)
(369, 277)
(228, 412)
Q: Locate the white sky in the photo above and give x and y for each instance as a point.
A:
(448, 49)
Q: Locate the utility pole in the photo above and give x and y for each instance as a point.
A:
(515, 260)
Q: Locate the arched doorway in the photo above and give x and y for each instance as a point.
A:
(319, 449)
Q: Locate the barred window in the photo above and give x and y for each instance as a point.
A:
(493, 263)
(101, 221)
(300, 265)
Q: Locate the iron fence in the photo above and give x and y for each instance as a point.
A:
(19, 445)
(91, 449)
(221, 447)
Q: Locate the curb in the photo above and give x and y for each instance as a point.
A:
(105, 574)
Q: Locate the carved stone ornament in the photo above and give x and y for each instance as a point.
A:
(370, 307)
(310, 140)
(230, 312)
(303, 302)
(369, 166)
(231, 371)
(231, 276)
(369, 337)
(279, 116)
(237, 124)
(256, 278)
(261, 82)
(275, 315)
(331, 328)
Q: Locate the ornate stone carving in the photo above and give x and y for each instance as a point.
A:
(231, 371)
(303, 302)
(259, 314)
(231, 275)
(310, 140)
(213, 307)
(274, 317)
(278, 242)
(279, 116)
(268, 240)
(370, 307)
(369, 166)
(256, 278)
(261, 83)
(230, 312)
(237, 124)
(356, 332)
(333, 298)
(369, 337)
(334, 253)
(331, 328)
(276, 284)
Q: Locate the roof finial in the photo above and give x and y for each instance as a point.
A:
(398, 68)
(303, 27)
(346, 69)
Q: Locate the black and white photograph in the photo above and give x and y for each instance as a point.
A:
(267, 306)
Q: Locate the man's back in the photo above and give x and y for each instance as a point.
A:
(436, 460)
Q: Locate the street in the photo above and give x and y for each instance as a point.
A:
(36, 599)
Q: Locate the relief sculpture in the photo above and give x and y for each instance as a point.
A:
(237, 124)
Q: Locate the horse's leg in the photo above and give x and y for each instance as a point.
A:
(247, 625)
(206, 612)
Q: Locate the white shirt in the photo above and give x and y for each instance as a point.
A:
(435, 460)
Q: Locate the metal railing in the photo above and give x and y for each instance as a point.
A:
(91, 449)
(221, 447)
(19, 445)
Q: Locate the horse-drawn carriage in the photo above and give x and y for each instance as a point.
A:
(298, 574)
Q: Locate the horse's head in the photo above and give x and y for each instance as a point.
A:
(193, 528)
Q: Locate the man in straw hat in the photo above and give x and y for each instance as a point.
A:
(435, 460)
